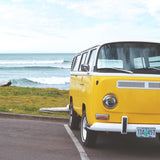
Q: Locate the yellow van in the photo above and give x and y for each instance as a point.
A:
(115, 87)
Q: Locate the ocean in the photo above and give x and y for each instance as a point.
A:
(36, 70)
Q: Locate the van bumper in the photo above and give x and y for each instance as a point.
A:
(119, 127)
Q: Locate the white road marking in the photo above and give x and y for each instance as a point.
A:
(79, 147)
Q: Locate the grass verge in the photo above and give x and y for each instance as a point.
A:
(30, 100)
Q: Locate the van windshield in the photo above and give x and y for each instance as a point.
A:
(129, 57)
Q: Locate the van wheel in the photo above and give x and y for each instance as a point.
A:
(73, 119)
(88, 137)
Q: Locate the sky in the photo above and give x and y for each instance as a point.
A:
(70, 26)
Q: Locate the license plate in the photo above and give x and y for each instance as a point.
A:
(146, 132)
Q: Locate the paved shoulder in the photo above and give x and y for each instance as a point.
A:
(31, 140)
(32, 117)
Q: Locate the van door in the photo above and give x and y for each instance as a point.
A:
(74, 83)
(80, 85)
(86, 80)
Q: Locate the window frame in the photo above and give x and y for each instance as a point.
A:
(82, 55)
(91, 68)
(79, 60)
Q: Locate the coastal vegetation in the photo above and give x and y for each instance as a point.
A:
(29, 100)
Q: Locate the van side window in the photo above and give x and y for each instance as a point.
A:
(91, 58)
(87, 57)
(83, 59)
(73, 64)
(77, 63)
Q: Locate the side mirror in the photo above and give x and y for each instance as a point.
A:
(85, 67)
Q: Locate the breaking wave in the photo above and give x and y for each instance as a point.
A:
(52, 80)
(29, 63)
(34, 64)
(46, 81)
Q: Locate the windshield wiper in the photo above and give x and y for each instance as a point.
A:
(113, 69)
(148, 70)
(123, 70)
(155, 68)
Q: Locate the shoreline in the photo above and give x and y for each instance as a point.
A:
(36, 87)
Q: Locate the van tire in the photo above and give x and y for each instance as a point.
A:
(73, 119)
(88, 137)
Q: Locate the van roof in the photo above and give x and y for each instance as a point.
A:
(117, 42)
(88, 49)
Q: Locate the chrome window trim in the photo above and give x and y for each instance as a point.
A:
(123, 75)
(79, 73)
(91, 73)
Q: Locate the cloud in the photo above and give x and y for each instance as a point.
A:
(17, 0)
(71, 26)
(110, 9)
(154, 9)
(59, 2)
(21, 17)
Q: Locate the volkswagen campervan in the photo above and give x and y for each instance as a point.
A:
(115, 87)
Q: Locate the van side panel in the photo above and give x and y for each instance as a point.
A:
(74, 93)
(82, 90)
(87, 94)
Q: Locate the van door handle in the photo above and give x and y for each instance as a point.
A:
(81, 84)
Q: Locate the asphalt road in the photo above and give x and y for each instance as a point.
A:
(39, 140)
(35, 140)
(115, 146)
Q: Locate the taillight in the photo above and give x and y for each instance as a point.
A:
(102, 116)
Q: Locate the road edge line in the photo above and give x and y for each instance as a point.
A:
(79, 147)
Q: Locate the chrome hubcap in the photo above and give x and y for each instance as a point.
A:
(84, 131)
(70, 117)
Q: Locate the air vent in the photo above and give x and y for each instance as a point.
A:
(154, 85)
(138, 84)
(131, 84)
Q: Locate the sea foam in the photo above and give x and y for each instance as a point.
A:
(51, 80)
(24, 63)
